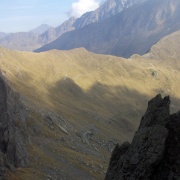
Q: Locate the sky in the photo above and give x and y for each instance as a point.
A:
(24, 15)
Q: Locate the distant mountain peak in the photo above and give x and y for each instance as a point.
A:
(40, 29)
(2, 34)
(106, 10)
(132, 31)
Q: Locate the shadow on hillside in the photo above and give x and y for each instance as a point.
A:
(119, 104)
(122, 107)
(99, 94)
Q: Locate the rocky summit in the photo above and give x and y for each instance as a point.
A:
(154, 152)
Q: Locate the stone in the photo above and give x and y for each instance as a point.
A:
(154, 74)
(13, 132)
(154, 151)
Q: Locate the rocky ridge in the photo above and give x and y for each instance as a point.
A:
(106, 10)
(132, 31)
(13, 139)
(154, 151)
(44, 34)
(41, 29)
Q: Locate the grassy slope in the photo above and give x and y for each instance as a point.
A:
(167, 49)
(101, 98)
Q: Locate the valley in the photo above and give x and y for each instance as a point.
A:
(66, 106)
(80, 104)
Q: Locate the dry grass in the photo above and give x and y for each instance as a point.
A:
(107, 93)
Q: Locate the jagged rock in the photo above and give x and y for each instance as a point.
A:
(158, 112)
(13, 134)
(154, 152)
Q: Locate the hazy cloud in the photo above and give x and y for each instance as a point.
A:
(82, 6)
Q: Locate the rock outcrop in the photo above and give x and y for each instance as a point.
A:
(154, 152)
(13, 134)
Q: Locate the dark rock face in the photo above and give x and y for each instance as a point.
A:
(13, 135)
(154, 152)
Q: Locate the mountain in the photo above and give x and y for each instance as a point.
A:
(2, 35)
(109, 8)
(63, 112)
(25, 41)
(53, 33)
(166, 48)
(40, 29)
(30, 41)
(132, 31)
(106, 10)
(154, 151)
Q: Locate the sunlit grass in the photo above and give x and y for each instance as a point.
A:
(107, 92)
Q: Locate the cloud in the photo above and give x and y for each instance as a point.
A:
(82, 6)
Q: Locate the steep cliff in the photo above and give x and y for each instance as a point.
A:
(13, 134)
(154, 152)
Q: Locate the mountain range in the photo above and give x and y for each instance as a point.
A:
(25, 41)
(63, 112)
(20, 41)
(106, 10)
(132, 31)
(117, 27)
(40, 29)
(2, 35)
